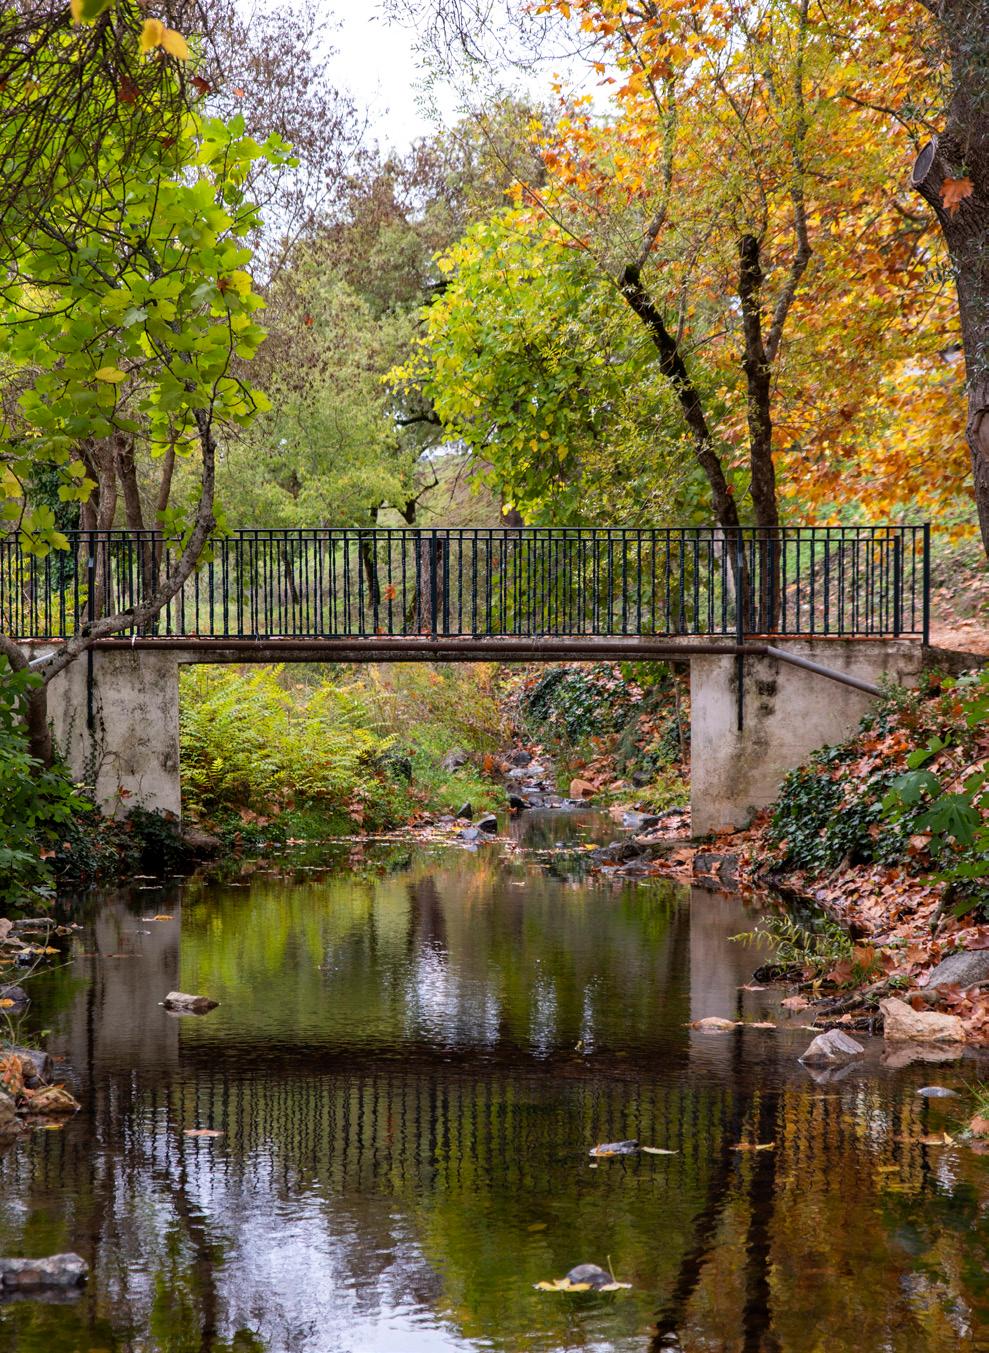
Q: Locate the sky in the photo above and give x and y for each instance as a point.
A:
(376, 64)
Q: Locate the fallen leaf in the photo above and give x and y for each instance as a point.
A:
(754, 1146)
(538, 1226)
(795, 1003)
(163, 918)
(202, 1132)
(979, 1126)
(657, 1151)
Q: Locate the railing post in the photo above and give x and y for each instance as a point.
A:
(897, 585)
(433, 583)
(927, 584)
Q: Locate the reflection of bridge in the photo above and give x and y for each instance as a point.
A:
(848, 602)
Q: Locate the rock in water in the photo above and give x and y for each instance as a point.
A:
(937, 1092)
(8, 1111)
(833, 1048)
(465, 812)
(15, 994)
(36, 1065)
(581, 789)
(516, 804)
(189, 1005)
(713, 1024)
(960, 970)
(488, 823)
(903, 1024)
(468, 834)
(590, 1274)
(60, 1270)
(630, 1148)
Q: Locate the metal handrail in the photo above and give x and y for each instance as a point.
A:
(485, 582)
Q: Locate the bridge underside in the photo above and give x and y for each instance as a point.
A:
(116, 718)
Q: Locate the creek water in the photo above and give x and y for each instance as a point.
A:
(414, 1051)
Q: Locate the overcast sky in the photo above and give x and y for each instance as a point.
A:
(376, 64)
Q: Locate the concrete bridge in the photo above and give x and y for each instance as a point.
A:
(788, 633)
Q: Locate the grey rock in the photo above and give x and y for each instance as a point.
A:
(39, 1068)
(629, 1148)
(832, 1049)
(639, 822)
(937, 1092)
(189, 1005)
(519, 758)
(641, 778)
(488, 823)
(516, 804)
(468, 834)
(465, 812)
(590, 1274)
(16, 994)
(961, 970)
(60, 1270)
(454, 759)
(203, 845)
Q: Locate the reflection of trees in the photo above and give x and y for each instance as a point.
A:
(414, 1157)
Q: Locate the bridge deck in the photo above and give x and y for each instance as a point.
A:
(466, 592)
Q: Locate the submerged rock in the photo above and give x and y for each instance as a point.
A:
(60, 1270)
(488, 823)
(903, 1024)
(189, 1005)
(960, 970)
(468, 834)
(937, 1092)
(629, 1148)
(833, 1048)
(591, 1275)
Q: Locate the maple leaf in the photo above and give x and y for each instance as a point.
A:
(954, 192)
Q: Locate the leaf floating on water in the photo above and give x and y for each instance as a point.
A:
(795, 1003)
(163, 918)
(751, 986)
(565, 1285)
(202, 1132)
(932, 1139)
(658, 1151)
(538, 1226)
(761, 1024)
(754, 1146)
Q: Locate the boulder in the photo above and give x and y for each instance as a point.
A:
(519, 758)
(591, 1275)
(60, 1270)
(713, 1024)
(488, 823)
(468, 834)
(189, 1005)
(903, 1024)
(960, 970)
(833, 1048)
(37, 1065)
(580, 789)
(465, 812)
(200, 844)
(454, 759)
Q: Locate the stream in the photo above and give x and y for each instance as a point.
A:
(415, 1049)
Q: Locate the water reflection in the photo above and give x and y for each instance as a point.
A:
(409, 1065)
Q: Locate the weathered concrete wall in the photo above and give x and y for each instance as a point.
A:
(131, 754)
(789, 713)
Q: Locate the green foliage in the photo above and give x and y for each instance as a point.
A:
(574, 703)
(812, 942)
(35, 803)
(129, 317)
(952, 805)
(533, 362)
(260, 744)
(821, 826)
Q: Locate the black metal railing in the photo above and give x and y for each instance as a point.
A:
(526, 582)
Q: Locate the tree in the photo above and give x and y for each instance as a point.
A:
(527, 362)
(124, 299)
(952, 174)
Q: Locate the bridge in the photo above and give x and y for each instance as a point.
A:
(745, 608)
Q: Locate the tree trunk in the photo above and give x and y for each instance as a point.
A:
(39, 738)
(952, 174)
(758, 379)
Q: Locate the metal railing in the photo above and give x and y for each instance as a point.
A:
(528, 582)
